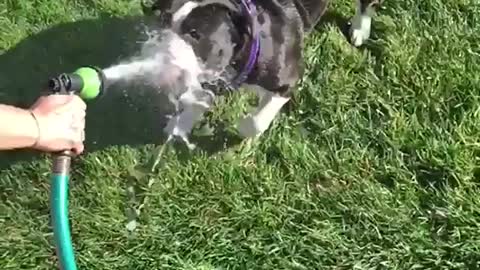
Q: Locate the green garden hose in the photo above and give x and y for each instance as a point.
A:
(59, 210)
(88, 83)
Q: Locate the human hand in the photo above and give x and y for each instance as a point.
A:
(61, 123)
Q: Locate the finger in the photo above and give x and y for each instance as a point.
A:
(75, 143)
(81, 115)
(77, 102)
(57, 100)
(78, 148)
(77, 124)
(74, 104)
(74, 135)
(47, 103)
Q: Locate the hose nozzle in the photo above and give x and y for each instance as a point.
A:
(87, 82)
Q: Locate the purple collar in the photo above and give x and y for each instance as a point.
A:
(250, 10)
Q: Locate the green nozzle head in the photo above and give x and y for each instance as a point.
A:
(93, 82)
(87, 82)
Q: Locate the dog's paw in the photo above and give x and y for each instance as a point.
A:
(175, 131)
(360, 29)
(249, 128)
(172, 128)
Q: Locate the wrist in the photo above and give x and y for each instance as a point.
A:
(35, 135)
(19, 128)
(30, 134)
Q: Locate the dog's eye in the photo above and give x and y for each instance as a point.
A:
(193, 33)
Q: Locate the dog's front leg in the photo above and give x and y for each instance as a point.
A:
(362, 21)
(193, 104)
(269, 106)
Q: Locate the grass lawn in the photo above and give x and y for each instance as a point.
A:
(375, 165)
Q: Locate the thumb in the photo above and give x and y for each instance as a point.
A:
(59, 100)
(46, 103)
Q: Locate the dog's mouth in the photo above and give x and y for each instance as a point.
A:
(230, 53)
(186, 71)
(191, 64)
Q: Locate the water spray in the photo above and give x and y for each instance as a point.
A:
(160, 59)
(88, 83)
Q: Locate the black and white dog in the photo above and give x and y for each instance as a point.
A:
(253, 43)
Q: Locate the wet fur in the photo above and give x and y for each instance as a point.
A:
(217, 31)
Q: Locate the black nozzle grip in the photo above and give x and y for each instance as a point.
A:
(65, 84)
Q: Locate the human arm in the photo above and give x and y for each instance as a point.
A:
(53, 123)
(18, 128)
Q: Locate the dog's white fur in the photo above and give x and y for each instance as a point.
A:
(182, 13)
(261, 118)
(196, 101)
(361, 25)
(194, 104)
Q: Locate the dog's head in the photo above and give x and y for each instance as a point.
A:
(217, 30)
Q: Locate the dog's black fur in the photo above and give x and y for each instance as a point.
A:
(282, 25)
(217, 30)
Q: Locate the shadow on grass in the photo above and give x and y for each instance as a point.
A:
(132, 115)
(221, 138)
(129, 115)
(335, 18)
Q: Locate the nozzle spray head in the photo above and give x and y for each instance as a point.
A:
(87, 82)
